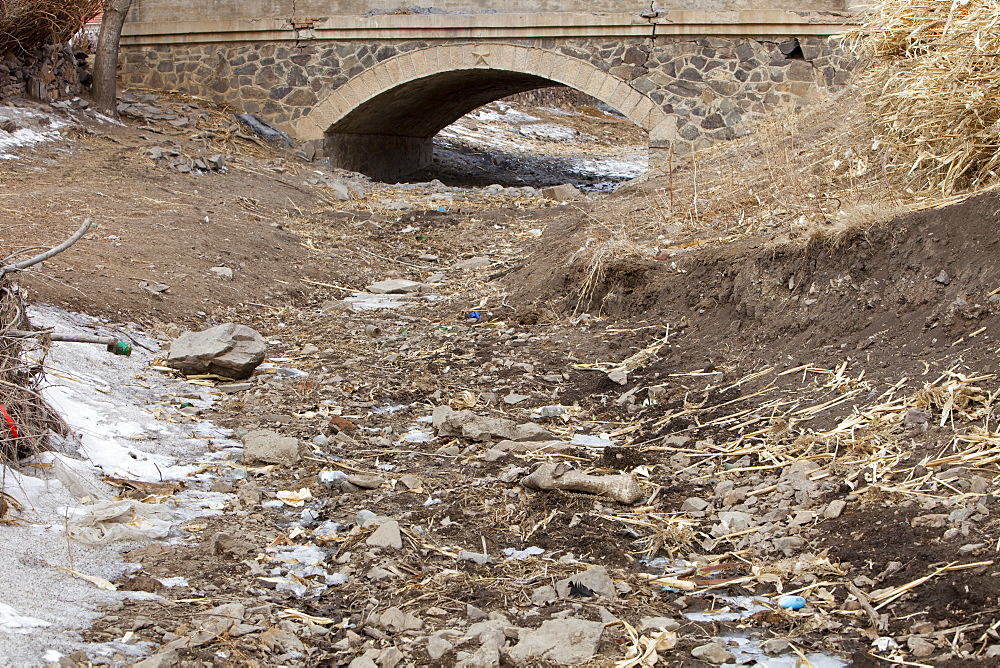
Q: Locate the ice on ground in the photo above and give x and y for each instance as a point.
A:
(362, 301)
(522, 555)
(553, 132)
(500, 112)
(628, 166)
(417, 435)
(178, 581)
(749, 652)
(12, 621)
(127, 428)
(590, 441)
(736, 608)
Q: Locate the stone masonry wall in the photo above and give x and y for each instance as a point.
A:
(48, 72)
(714, 87)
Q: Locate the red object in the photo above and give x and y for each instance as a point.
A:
(9, 420)
(342, 424)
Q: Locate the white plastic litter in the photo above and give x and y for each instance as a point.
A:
(109, 521)
(522, 555)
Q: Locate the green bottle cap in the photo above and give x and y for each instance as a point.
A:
(120, 348)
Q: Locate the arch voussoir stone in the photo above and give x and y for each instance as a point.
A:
(346, 120)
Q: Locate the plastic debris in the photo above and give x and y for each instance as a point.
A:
(109, 521)
(792, 602)
(295, 499)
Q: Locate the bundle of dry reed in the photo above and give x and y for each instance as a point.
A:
(932, 78)
(25, 418)
(27, 24)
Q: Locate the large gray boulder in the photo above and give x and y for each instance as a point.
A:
(229, 350)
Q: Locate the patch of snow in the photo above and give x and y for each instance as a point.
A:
(26, 136)
(12, 621)
(500, 112)
(553, 132)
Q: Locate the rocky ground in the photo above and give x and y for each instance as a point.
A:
(566, 444)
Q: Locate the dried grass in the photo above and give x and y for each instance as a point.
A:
(27, 24)
(931, 78)
(20, 378)
(817, 173)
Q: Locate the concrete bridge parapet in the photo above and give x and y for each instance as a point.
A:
(372, 91)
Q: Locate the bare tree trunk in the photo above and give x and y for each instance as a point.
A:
(105, 90)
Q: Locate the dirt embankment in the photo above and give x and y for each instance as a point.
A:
(905, 289)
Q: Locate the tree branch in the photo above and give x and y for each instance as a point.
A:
(49, 253)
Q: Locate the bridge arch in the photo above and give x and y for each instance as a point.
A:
(382, 122)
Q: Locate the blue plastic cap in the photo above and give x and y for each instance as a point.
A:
(792, 602)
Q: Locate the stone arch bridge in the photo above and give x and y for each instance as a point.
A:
(369, 84)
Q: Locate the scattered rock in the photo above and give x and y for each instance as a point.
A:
(437, 647)
(566, 192)
(475, 557)
(365, 481)
(395, 620)
(834, 509)
(387, 535)
(694, 504)
(551, 475)
(233, 388)
(915, 416)
(268, 133)
(473, 263)
(568, 641)
(167, 659)
(658, 623)
(789, 545)
(154, 288)
(395, 286)
(223, 272)
(733, 521)
(178, 162)
(544, 595)
(487, 656)
(596, 580)
(920, 647)
(141, 583)
(713, 653)
(389, 657)
(230, 350)
(225, 543)
(775, 646)
(264, 446)
(530, 431)
(411, 481)
(449, 422)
